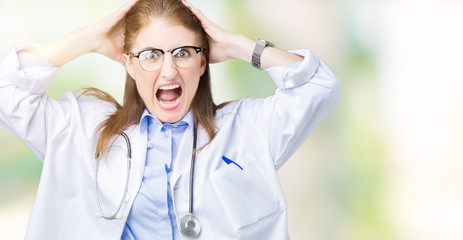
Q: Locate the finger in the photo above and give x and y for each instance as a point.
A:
(200, 15)
(124, 9)
(119, 14)
(212, 29)
(115, 19)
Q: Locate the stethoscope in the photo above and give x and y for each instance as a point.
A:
(189, 224)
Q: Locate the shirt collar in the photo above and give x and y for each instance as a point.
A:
(158, 125)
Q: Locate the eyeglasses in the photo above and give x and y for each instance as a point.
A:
(152, 59)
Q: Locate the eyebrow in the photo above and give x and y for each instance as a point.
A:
(151, 48)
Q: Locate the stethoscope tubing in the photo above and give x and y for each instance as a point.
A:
(124, 195)
(192, 170)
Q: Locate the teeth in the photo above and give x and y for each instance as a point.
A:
(169, 87)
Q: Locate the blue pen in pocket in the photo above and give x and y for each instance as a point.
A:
(228, 161)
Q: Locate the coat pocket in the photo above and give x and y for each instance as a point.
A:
(246, 196)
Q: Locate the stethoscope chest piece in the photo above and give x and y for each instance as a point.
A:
(190, 226)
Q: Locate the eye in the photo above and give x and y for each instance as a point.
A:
(182, 53)
(150, 55)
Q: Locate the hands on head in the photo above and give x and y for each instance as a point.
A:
(220, 41)
(108, 33)
(107, 38)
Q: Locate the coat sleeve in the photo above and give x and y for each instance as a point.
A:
(307, 92)
(25, 109)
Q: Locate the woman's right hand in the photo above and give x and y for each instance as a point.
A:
(108, 33)
(105, 37)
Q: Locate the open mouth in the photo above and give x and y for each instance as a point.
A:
(169, 96)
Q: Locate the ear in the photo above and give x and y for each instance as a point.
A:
(129, 65)
(203, 64)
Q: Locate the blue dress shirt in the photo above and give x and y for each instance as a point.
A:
(152, 215)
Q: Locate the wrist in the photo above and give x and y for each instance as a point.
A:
(66, 48)
(88, 43)
(258, 50)
(242, 48)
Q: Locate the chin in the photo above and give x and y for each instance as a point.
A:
(170, 117)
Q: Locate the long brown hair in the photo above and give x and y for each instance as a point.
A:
(129, 113)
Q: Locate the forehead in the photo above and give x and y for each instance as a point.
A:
(160, 33)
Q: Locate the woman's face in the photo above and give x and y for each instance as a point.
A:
(168, 91)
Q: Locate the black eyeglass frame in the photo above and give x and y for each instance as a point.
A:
(197, 49)
(163, 52)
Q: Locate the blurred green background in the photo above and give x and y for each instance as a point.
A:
(386, 164)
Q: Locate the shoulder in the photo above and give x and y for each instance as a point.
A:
(89, 109)
(230, 108)
(88, 102)
(240, 110)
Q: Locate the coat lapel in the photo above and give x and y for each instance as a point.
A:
(138, 143)
(183, 157)
(112, 170)
(183, 161)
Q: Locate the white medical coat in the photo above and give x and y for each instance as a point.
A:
(258, 134)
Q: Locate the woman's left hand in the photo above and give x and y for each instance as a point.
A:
(223, 45)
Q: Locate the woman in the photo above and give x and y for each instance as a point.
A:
(168, 163)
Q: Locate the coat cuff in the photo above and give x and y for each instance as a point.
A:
(27, 71)
(296, 74)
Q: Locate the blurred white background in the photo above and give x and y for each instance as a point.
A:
(387, 164)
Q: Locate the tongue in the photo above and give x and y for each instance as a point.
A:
(167, 95)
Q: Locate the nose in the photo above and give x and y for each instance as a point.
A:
(168, 69)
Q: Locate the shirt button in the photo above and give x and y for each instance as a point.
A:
(289, 74)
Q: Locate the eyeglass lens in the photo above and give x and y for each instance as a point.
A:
(152, 60)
